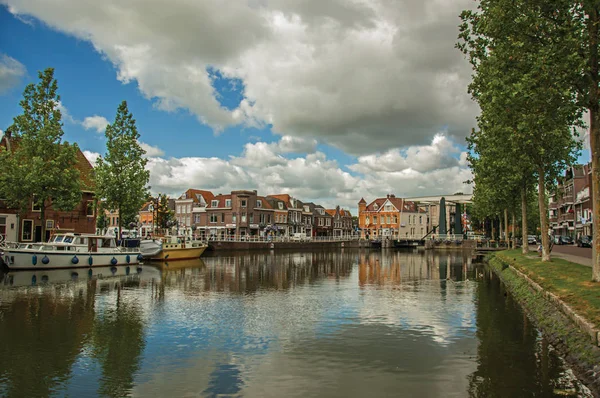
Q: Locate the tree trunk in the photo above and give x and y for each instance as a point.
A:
(500, 228)
(543, 214)
(594, 140)
(506, 227)
(43, 219)
(524, 219)
(119, 223)
(514, 235)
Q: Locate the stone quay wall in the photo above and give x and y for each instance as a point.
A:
(317, 245)
(573, 337)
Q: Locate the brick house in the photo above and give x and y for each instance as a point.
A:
(570, 207)
(391, 217)
(341, 220)
(323, 222)
(27, 227)
(279, 225)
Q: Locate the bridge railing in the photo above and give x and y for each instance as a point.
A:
(269, 239)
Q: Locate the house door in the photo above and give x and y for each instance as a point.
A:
(38, 233)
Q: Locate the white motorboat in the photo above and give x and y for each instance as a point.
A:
(69, 250)
(150, 247)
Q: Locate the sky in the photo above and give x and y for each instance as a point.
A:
(328, 101)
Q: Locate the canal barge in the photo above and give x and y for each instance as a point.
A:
(68, 250)
(176, 248)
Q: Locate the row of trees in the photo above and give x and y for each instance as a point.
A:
(535, 68)
(42, 167)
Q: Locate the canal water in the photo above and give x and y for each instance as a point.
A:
(344, 323)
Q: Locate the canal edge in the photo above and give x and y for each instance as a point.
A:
(574, 337)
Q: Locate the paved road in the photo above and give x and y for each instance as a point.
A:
(573, 250)
(580, 255)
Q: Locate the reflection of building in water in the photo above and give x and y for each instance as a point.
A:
(393, 267)
(249, 272)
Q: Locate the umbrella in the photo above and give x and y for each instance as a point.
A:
(442, 224)
(457, 220)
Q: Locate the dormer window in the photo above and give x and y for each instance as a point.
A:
(243, 203)
(280, 206)
(306, 210)
(375, 206)
(227, 202)
(214, 203)
(259, 203)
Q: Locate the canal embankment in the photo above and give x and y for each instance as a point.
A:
(562, 301)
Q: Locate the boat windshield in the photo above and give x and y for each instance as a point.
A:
(68, 239)
(58, 238)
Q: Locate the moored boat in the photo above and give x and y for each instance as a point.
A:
(69, 250)
(179, 248)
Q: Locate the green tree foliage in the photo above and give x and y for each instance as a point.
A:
(39, 166)
(163, 214)
(101, 220)
(121, 177)
(522, 81)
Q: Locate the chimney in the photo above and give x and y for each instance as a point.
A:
(388, 195)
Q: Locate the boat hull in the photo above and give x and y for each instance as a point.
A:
(32, 260)
(179, 253)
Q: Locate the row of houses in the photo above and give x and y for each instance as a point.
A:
(246, 213)
(392, 217)
(570, 206)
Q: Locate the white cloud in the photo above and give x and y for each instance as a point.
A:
(64, 112)
(91, 156)
(151, 151)
(313, 177)
(11, 72)
(363, 75)
(95, 122)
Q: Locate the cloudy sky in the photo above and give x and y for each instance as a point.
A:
(326, 100)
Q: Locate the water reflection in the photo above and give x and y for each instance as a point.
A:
(336, 324)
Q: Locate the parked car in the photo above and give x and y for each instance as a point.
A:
(584, 241)
(565, 240)
(531, 239)
(299, 237)
(556, 239)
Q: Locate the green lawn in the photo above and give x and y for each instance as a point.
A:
(571, 282)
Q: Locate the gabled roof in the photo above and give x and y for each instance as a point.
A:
(362, 201)
(265, 202)
(399, 203)
(331, 212)
(274, 202)
(194, 194)
(220, 201)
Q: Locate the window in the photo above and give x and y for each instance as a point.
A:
(234, 218)
(189, 209)
(269, 218)
(375, 206)
(213, 218)
(2, 226)
(222, 217)
(188, 221)
(27, 230)
(49, 224)
(388, 219)
(388, 207)
(214, 203)
(243, 217)
(367, 219)
(251, 218)
(280, 205)
(35, 206)
(420, 219)
(259, 203)
(374, 219)
(90, 208)
(196, 218)
(395, 219)
(243, 203)
(328, 223)
(306, 209)
(227, 202)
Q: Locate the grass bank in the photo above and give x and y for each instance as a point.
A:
(569, 281)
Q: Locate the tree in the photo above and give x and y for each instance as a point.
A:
(121, 177)
(101, 221)
(40, 168)
(163, 214)
(523, 74)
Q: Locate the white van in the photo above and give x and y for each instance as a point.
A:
(299, 237)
